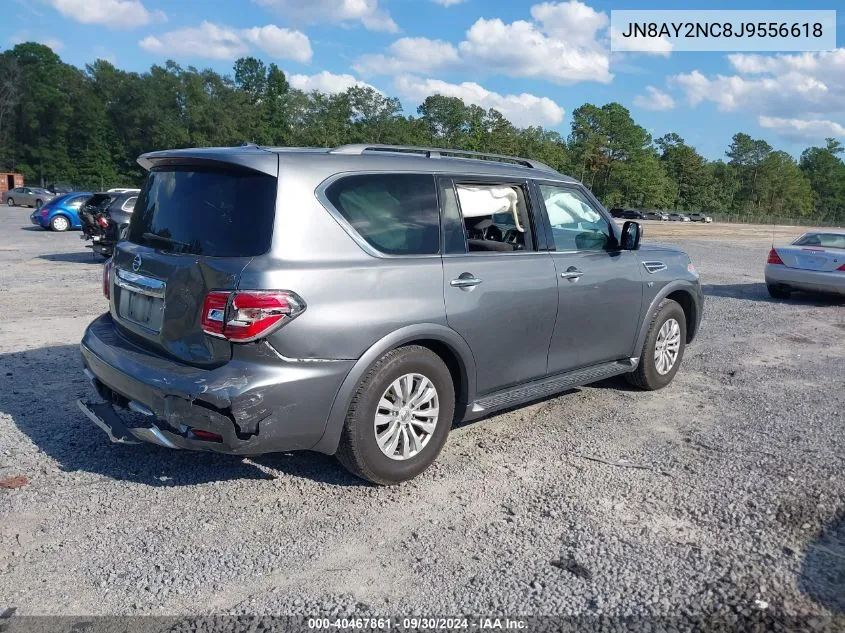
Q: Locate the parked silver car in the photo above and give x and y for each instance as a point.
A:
(815, 262)
(27, 197)
(358, 301)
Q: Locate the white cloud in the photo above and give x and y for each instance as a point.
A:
(522, 110)
(562, 44)
(523, 49)
(573, 21)
(449, 3)
(410, 54)
(24, 36)
(206, 40)
(803, 130)
(824, 62)
(119, 14)
(366, 12)
(326, 82)
(786, 86)
(280, 43)
(216, 41)
(654, 99)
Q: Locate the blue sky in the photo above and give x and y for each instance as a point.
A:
(535, 61)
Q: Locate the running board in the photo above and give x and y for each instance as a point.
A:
(552, 384)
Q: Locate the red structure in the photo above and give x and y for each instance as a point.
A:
(9, 180)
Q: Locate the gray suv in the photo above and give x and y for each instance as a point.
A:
(358, 301)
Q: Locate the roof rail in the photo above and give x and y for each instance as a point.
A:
(437, 152)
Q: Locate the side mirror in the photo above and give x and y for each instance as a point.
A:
(632, 232)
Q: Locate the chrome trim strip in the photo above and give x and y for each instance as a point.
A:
(141, 284)
(153, 435)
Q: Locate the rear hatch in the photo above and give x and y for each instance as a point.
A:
(194, 229)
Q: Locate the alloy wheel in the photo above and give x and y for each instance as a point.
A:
(406, 416)
(667, 346)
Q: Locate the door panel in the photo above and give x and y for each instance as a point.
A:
(600, 287)
(508, 318)
(502, 300)
(599, 311)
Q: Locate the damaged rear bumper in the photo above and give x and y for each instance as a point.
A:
(252, 407)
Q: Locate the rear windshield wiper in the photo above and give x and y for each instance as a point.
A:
(166, 240)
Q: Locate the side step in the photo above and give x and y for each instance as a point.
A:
(552, 384)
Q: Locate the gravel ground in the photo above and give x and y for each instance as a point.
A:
(740, 508)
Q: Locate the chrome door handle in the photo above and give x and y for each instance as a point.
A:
(571, 273)
(465, 282)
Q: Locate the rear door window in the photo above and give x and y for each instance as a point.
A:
(495, 216)
(395, 214)
(212, 212)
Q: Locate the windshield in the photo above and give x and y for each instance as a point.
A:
(824, 240)
(213, 212)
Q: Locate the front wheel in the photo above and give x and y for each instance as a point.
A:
(10, 202)
(38, 204)
(663, 349)
(399, 417)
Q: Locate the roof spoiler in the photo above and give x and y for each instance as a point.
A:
(438, 152)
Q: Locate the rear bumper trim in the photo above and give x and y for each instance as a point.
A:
(112, 425)
(104, 416)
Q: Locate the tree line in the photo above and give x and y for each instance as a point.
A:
(59, 123)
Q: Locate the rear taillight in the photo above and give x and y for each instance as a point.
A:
(247, 315)
(104, 224)
(774, 258)
(44, 211)
(841, 268)
(107, 279)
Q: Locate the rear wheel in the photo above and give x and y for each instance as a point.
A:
(778, 292)
(663, 349)
(10, 202)
(399, 417)
(60, 223)
(38, 204)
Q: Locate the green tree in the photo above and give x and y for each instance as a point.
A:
(825, 171)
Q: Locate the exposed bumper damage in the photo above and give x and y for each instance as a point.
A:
(241, 407)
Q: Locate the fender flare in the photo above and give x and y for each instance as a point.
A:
(673, 286)
(421, 331)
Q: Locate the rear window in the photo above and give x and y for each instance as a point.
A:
(217, 213)
(99, 201)
(396, 214)
(824, 240)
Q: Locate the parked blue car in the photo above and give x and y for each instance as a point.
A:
(62, 212)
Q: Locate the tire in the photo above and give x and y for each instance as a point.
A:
(649, 375)
(59, 223)
(359, 450)
(38, 204)
(10, 202)
(778, 292)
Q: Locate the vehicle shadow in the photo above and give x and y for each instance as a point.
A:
(82, 257)
(756, 291)
(40, 390)
(822, 575)
(32, 227)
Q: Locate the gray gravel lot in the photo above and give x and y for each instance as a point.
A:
(742, 508)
